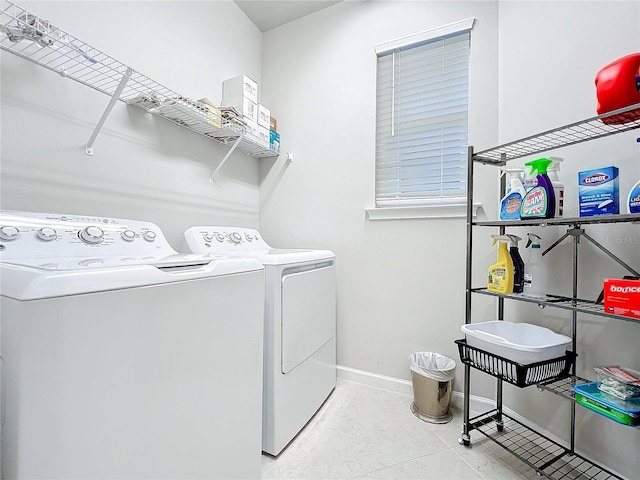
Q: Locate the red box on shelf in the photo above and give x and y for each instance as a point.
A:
(622, 297)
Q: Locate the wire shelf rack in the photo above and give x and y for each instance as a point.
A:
(568, 221)
(610, 123)
(564, 386)
(557, 301)
(546, 456)
(33, 38)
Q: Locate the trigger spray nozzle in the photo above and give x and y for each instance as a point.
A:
(514, 240)
(500, 238)
(533, 240)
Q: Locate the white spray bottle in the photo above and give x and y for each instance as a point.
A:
(558, 186)
(510, 204)
(535, 273)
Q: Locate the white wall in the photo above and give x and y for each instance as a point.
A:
(401, 283)
(143, 167)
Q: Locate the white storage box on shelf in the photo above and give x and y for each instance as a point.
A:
(520, 342)
(240, 86)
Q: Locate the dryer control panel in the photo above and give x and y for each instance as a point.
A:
(29, 235)
(224, 239)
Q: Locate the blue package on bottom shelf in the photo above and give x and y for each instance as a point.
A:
(626, 412)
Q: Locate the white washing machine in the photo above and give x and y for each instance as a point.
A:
(124, 359)
(300, 326)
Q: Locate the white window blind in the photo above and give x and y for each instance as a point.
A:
(422, 121)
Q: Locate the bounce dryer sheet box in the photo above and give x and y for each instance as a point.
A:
(598, 192)
(622, 297)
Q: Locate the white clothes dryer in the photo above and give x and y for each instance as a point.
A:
(124, 359)
(300, 326)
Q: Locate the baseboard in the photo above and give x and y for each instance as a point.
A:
(405, 387)
(375, 380)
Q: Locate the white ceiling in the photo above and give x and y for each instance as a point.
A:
(268, 14)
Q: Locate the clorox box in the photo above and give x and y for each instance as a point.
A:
(598, 192)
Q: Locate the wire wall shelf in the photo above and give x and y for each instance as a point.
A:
(36, 39)
(610, 123)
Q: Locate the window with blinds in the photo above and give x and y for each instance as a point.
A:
(422, 119)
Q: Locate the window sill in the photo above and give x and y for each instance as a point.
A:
(424, 211)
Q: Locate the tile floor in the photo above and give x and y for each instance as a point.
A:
(366, 433)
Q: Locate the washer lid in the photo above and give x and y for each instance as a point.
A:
(275, 256)
(41, 277)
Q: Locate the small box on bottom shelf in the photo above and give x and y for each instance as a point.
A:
(626, 412)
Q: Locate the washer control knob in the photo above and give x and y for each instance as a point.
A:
(207, 237)
(46, 234)
(149, 236)
(128, 235)
(220, 237)
(235, 237)
(92, 235)
(91, 262)
(248, 237)
(9, 233)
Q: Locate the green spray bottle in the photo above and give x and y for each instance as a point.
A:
(540, 201)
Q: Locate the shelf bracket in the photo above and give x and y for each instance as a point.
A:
(114, 98)
(579, 232)
(226, 157)
(614, 257)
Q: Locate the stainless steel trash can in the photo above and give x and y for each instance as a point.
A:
(431, 376)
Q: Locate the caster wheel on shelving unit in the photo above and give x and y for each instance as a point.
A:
(464, 440)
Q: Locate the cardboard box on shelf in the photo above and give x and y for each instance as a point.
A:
(263, 134)
(251, 128)
(247, 108)
(598, 192)
(213, 113)
(273, 124)
(622, 297)
(274, 140)
(240, 86)
(264, 116)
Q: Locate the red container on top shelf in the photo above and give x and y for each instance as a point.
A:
(618, 86)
